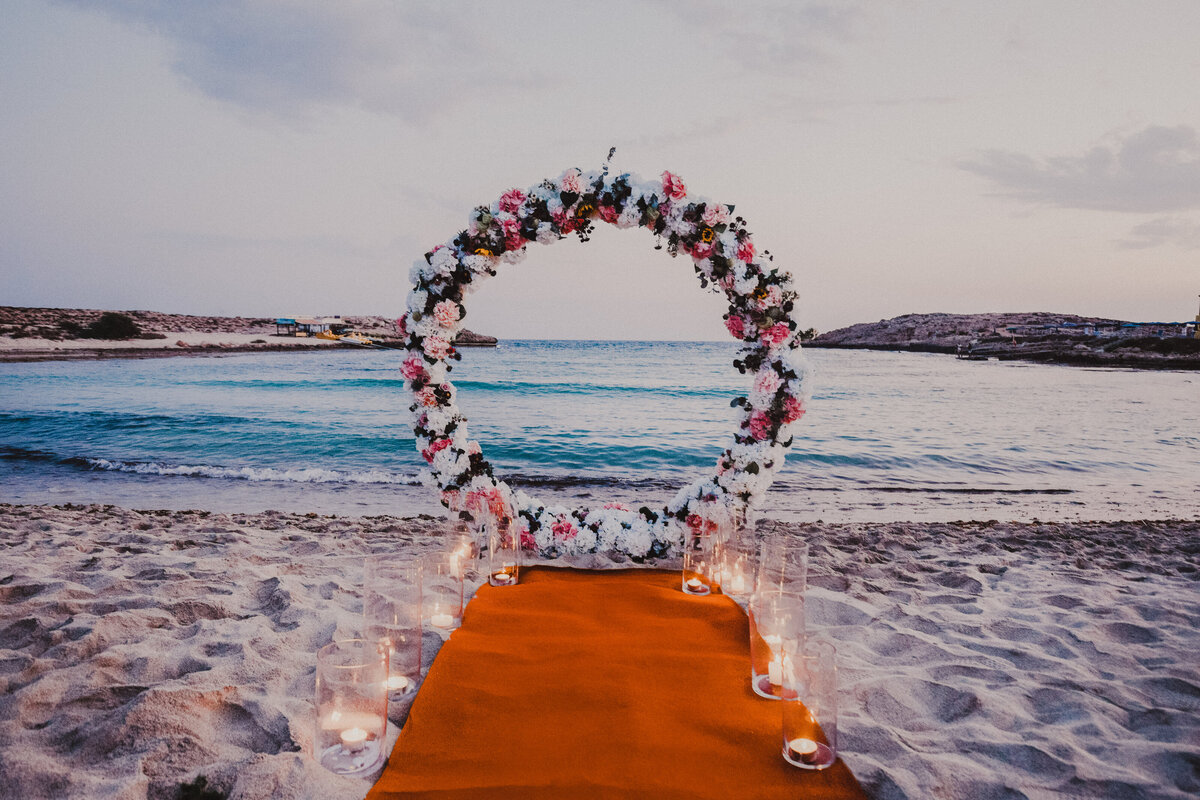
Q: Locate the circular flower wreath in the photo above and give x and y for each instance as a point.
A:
(761, 301)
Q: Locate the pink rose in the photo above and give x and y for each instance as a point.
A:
(715, 214)
(745, 250)
(473, 448)
(413, 368)
(695, 522)
(426, 397)
(563, 529)
(512, 200)
(767, 382)
(435, 448)
(446, 313)
(775, 335)
(760, 425)
(570, 181)
(736, 325)
(672, 186)
(774, 297)
(527, 540)
(702, 250)
(437, 346)
(608, 213)
(793, 409)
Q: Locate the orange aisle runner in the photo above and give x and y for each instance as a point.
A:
(578, 684)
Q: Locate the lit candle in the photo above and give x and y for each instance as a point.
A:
(803, 749)
(354, 740)
(695, 584)
(442, 621)
(737, 584)
(398, 683)
(501, 577)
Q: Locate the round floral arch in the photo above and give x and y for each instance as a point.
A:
(760, 312)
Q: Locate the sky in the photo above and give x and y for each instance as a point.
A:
(277, 158)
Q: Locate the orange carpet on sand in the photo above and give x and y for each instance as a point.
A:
(604, 684)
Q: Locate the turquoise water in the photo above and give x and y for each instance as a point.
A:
(889, 436)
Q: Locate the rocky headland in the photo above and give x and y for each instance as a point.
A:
(1034, 336)
(38, 334)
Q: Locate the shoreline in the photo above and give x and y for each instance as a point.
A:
(140, 649)
(1065, 357)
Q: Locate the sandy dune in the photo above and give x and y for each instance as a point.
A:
(979, 660)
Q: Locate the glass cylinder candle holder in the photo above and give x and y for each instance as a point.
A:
(392, 617)
(442, 592)
(783, 564)
(352, 706)
(504, 552)
(775, 617)
(699, 562)
(810, 704)
(738, 565)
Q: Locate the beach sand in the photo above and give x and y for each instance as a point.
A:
(140, 649)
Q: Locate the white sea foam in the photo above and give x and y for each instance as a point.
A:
(305, 475)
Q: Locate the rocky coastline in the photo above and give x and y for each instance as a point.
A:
(987, 336)
(56, 334)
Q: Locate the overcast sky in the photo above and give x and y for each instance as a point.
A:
(269, 158)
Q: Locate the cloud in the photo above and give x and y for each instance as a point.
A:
(292, 56)
(1153, 171)
(1179, 231)
(771, 36)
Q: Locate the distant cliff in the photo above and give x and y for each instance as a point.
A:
(987, 336)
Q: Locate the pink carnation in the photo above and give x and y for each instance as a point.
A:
(775, 335)
(760, 425)
(527, 540)
(426, 397)
(413, 368)
(437, 346)
(570, 181)
(736, 325)
(767, 382)
(715, 214)
(745, 251)
(402, 325)
(673, 186)
(793, 409)
(446, 313)
(702, 250)
(563, 529)
(512, 200)
(695, 521)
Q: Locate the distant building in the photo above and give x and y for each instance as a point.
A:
(309, 326)
(1159, 330)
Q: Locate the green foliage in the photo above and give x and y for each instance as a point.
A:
(198, 790)
(112, 325)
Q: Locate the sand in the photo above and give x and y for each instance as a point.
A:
(140, 649)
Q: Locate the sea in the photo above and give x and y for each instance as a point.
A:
(888, 437)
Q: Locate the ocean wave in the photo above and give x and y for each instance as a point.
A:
(272, 474)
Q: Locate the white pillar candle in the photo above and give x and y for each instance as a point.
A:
(398, 683)
(803, 749)
(442, 621)
(775, 671)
